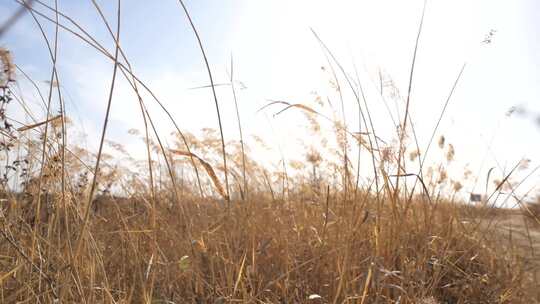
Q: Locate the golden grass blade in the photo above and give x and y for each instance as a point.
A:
(298, 105)
(9, 273)
(239, 277)
(273, 102)
(209, 170)
(366, 285)
(29, 127)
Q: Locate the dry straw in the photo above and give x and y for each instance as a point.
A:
(381, 243)
(209, 170)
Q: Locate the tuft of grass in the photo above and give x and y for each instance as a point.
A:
(84, 226)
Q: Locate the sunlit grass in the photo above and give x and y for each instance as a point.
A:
(201, 221)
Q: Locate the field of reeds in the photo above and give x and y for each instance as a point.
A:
(200, 220)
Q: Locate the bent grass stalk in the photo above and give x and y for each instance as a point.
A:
(305, 246)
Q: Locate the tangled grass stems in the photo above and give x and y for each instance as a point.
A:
(314, 243)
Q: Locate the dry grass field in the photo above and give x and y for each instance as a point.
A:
(202, 222)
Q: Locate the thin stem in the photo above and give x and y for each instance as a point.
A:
(101, 143)
(244, 196)
(215, 98)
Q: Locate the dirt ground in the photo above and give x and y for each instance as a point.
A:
(523, 234)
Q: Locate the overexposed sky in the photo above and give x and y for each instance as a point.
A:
(277, 57)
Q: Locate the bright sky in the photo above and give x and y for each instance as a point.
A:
(277, 57)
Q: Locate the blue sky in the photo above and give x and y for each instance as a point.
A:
(277, 57)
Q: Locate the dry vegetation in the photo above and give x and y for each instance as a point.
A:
(202, 222)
